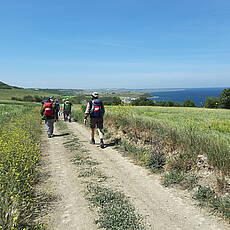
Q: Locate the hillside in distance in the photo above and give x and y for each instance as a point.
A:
(6, 86)
(8, 91)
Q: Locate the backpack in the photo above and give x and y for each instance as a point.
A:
(49, 111)
(96, 108)
(67, 106)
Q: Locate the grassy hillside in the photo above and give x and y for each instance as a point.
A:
(7, 92)
(6, 86)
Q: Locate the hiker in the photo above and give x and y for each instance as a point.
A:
(48, 112)
(57, 106)
(95, 110)
(67, 110)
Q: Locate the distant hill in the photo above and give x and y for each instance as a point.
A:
(7, 92)
(66, 92)
(6, 86)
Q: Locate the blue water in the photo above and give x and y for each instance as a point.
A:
(198, 95)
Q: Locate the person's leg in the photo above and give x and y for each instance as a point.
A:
(92, 125)
(49, 124)
(100, 131)
(57, 115)
(65, 116)
(101, 134)
(47, 127)
(92, 136)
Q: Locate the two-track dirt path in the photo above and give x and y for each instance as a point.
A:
(161, 208)
(71, 212)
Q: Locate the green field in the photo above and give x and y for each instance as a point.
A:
(6, 94)
(192, 130)
(215, 120)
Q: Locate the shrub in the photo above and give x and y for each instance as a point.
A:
(211, 102)
(144, 101)
(173, 177)
(189, 103)
(225, 99)
(203, 193)
(156, 160)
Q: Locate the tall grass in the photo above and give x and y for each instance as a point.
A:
(7, 112)
(193, 131)
(19, 156)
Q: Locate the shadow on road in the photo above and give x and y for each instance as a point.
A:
(61, 135)
(109, 144)
(117, 141)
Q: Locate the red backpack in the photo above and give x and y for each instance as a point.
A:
(49, 111)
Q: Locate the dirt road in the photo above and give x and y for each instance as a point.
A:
(161, 208)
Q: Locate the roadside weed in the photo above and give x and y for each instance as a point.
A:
(19, 158)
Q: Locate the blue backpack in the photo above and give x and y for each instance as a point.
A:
(96, 108)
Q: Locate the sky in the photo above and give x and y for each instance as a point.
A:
(115, 43)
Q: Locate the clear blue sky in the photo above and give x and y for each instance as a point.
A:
(115, 43)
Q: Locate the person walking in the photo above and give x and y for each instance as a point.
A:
(57, 108)
(48, 112)
(67, 110)
(95, 110)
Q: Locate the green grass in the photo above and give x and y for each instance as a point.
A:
(191, 130)
(8, 112)
(6, 94)
(19, 158)
(206, 119)
(115, 210)
(207, 197)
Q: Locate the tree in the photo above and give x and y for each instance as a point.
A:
(168, 104)
(189, 103)
(225, 99)
(116, 101)
(143, 101)
(212, 102)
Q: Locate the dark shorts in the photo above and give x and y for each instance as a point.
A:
(96, 122)
(67, 112)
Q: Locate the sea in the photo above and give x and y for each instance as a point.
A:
(198, 95)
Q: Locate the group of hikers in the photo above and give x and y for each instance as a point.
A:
(51, 110)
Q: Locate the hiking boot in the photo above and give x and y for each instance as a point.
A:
(92, 142)
(102, 144)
